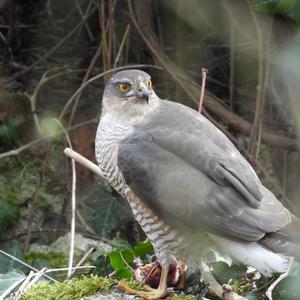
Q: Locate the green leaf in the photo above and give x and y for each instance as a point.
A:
(123, 274)
(290, 8)
(116, 260)
(119, 260)
(142, 249)
(128, 255)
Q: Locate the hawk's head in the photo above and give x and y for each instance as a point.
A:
(129, 93)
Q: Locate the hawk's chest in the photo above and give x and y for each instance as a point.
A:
(108, 139)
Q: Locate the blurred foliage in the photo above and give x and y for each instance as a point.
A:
(289, 8)
(9, 214)
(220, 35)
(49, 260)
(8, 130)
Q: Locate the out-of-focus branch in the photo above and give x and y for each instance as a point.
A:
(73, 205)
(204, 72)
(125, 36)
(50, 52)
(211, 103)
(33, 143)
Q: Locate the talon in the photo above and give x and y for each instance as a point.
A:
(149, 293)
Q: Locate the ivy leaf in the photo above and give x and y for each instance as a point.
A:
(116, 260)
(119, 260)
(128, 255)
(142, 249)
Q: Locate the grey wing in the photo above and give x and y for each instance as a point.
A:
(188, 185)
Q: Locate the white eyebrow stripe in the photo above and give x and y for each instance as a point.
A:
(121, 81)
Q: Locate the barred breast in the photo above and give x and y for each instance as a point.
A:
(166, 241)
(107, 143)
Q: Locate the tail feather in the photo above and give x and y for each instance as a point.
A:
(286, 240)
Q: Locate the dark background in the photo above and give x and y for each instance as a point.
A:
(48, 49)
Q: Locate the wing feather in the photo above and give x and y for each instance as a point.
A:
(193, 176)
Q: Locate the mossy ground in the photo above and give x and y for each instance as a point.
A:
(77, 288)
(73, 289)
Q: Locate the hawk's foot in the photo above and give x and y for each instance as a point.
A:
(148, 293)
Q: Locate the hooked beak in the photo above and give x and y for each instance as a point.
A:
(143, 91)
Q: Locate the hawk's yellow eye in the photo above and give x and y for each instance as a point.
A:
(124, 87)
(149, 84)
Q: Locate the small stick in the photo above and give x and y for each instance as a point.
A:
(83, 161)
(24, 284)
(126, 33)
(73, 202)
(30, 282)
(66, 269)
(19, 150)
(204, 72)
(11, 288)
(26, 265)
(279, 279)
(84, 258)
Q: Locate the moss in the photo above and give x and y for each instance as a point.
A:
(70, 289)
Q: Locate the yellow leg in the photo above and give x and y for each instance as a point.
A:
(149, 293)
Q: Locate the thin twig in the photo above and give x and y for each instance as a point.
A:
(84, 258)
(19, 150)
(66, 269)
(29, 283)
(50, 52)
(125, 36)
(25, 264)
(212, 103)
(24, 284)
(85, 78)
(126, 263)
(86, 24)
(204, 72)
(83, 161)
(8, 291)
(73, 203)
(259, 106)
(84, 224)
(279, 279)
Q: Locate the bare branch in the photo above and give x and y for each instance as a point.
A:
(83, 161)
(25, 264)
(204, 72)
(73, 202)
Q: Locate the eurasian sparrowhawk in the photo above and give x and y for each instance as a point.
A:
(188, 186)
